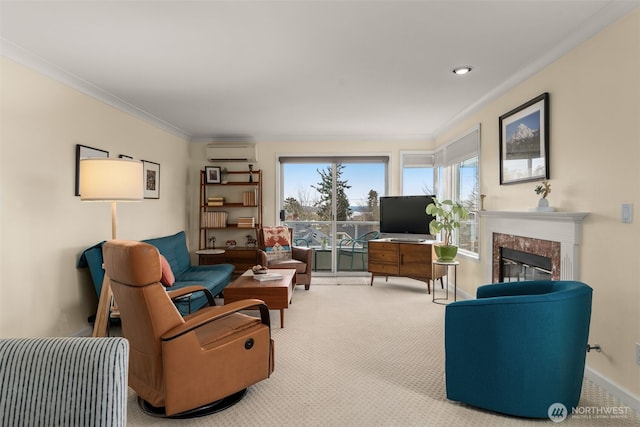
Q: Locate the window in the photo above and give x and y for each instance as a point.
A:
(458, 179)
(329, 201)
(417, 173)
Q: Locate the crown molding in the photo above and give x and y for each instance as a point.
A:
(24, 57)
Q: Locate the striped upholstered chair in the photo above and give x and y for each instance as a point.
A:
(70, 381)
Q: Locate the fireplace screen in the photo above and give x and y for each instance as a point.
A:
(516, 266)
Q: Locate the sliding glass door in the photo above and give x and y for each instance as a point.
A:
(332, 205)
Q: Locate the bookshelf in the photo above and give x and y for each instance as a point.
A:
(231, 207)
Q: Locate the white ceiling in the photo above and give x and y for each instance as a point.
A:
(298, 70)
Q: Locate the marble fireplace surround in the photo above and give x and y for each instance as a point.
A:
(556, 235)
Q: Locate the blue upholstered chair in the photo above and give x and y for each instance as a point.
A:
(519, 347)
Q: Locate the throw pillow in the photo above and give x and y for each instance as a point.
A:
(167, 279)
(277, 242)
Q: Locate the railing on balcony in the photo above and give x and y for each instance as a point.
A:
(329, 255)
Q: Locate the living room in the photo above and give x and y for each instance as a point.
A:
(595, 134)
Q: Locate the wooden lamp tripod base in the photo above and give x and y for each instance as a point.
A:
(105, 302)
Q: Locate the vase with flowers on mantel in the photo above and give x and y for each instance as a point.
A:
(543, 190)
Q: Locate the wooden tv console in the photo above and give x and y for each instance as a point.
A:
(404, 258)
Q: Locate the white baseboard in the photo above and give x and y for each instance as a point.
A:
(624, 395)
(463, 295)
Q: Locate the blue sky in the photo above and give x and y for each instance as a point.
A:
(361, 177)
(298, 178)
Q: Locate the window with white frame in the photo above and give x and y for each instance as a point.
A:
(418, 173)
(457, 166)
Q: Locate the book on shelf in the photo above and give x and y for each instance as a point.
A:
(215, 219)
(267, 276)
(246, 222)
(250, 198)
(215, 204)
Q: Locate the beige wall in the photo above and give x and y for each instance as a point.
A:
(594, 149)
(44, 227)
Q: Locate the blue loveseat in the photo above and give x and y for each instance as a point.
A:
(519, 348)
(174, 248)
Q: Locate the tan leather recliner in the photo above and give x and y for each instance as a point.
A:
(300, 260)
(180, 366)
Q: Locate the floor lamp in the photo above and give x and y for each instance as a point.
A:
(109, 180)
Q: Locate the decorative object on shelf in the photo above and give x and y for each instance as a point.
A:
(250, 173)
(84, 152)
(212, 175)
(224, 175)
(231, 244)
(447, 218)
(524, 142)
(252, 242)
(323, 244)
(151, 177)
(212, 242)
(543, 204)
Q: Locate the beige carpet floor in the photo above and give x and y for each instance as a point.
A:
(355, 355)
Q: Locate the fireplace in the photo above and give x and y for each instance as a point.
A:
(517, 266)
(549, 242)
(524, 258)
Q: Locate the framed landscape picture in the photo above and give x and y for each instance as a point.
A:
(151, 176)
(524, 142)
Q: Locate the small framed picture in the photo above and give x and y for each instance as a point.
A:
(84, 152)
(124, 156)
(151, 176)
(212, 175)
(524, 142)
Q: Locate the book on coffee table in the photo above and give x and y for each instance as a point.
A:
(267, 276)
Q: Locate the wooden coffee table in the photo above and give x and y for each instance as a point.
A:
(275, 293)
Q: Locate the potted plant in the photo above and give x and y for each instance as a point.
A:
(447, 215)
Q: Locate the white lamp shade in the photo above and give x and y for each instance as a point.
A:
(105, 179)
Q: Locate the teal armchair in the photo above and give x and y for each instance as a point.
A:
(519, 347)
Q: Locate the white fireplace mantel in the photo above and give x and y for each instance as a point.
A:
(562, 227)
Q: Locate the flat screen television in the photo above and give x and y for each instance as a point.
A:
(405, 215)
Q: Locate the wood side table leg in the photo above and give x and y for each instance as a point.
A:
(282, 317)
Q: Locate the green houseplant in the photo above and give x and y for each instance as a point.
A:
(447, 215)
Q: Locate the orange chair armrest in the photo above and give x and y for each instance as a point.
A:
(208, 315)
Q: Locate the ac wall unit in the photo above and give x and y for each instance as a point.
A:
(232, 152)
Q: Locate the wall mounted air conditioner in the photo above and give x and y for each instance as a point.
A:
(232, 152)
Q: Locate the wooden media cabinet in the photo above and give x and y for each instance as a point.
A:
(405, 258)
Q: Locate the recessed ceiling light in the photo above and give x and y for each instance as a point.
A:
(462, 70)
